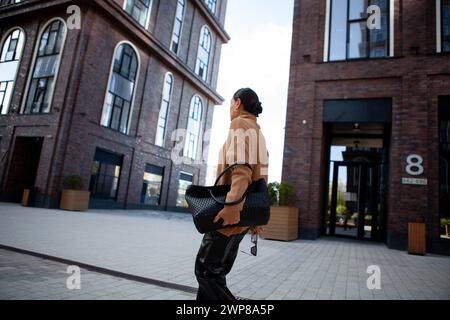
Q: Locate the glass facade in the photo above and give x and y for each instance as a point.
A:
(105, 175)
(139, 10)
(151, 188)
(204, 50)
(46, 64)
(164, 111)
(194, 127)
(444, 167)
(178, 26)
(11, 52)
(354, 33)
(212, 4)
(183, 183)
(119, 99)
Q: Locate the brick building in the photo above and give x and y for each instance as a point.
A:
(367, 131)
(100, 100)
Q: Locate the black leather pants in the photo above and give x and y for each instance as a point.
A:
(214, 261)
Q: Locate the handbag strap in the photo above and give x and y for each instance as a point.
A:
(220, 176)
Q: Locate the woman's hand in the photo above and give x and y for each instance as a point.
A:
(230, 216)
(256, 230)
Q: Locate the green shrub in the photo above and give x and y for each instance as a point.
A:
(73, 182)
(280, 193)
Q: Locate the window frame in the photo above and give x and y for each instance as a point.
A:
(8, 33)
(200, 63)
(33, 65)
(212, 3)
(166, 76)
(199, 119)
(133, 98)
(440, 27)
(328, 33)
(149, 13)
(181, 28)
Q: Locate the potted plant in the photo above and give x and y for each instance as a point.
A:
(283, 223)
(73, 198)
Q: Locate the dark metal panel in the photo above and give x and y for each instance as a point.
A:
(358, 110)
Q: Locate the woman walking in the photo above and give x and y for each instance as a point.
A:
(218, 249)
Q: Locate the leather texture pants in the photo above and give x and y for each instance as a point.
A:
(214, 261)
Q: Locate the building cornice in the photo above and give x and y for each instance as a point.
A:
(119, 16)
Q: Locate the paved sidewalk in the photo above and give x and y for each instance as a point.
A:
(24, 277)
(162, 246)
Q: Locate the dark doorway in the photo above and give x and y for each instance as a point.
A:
(23, 168)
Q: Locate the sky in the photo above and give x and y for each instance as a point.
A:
(257, 56)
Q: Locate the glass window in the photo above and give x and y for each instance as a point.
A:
(350, 36)
(11, 52)
(204, 50)
(139, 10)
(121, 89)
(151, 189)
(445, 25)
(164, 111)
(193, 128)
(444, 167)
(212, 4)
(105, 175)
(183, 183)
(45, 68)
(178, 24)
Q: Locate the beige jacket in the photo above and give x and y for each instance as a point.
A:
(240, 177)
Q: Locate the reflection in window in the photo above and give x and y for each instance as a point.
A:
(121, 89)
(139, 10)
(444, 162)
(105, 175)
(350, 37)
(45, 68)
(204, 50)
(184, 182)
(445, 25)
(178, 24)
(193, 128)
(11, 52)
(151, 189)
(164, 111)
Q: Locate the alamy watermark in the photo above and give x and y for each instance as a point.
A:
(73, 282)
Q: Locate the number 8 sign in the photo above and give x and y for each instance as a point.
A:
(414, 165)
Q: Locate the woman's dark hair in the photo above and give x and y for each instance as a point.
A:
(250, 100)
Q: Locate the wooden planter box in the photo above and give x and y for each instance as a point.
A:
(25, 197)
(75, 200)
(416, 238)
(283, 224)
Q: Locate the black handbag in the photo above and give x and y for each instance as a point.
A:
(205, 202)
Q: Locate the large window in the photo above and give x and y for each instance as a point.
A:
(178, 25)
(184, 182)
(105, 175)
(139, 10)
(352, 34)
(120, 95)
(444, 167)
(204, 50)
(212, 4)
(45, 68)
(444, 18)
(164, 111)
(193, 128)
(11, 52)
(151, 188)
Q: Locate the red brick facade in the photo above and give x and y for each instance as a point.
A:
(413, 78)
(71, 132)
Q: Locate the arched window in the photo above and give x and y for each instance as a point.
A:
(8, 2)
(11, 53)
(194, 127)
(177, 27)
(164, 111)
(211, 5)
(121, 88)
(204, 50)
(45, 69)
(139, 10)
